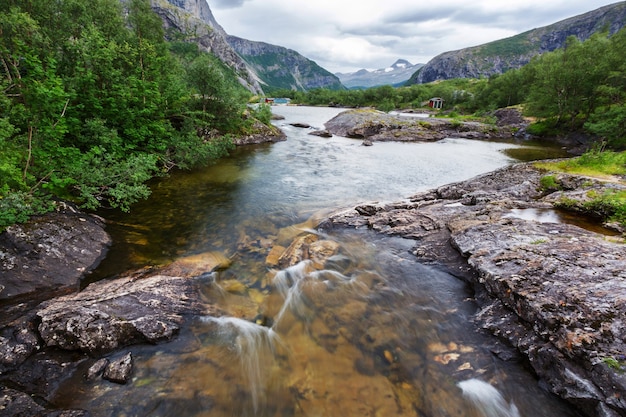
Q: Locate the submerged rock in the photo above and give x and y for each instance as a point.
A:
(16, 403)
(321, 133)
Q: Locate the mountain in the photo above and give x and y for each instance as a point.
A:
(514, 52)
(279, 67)
(195, 21)
(396, 74)
(259, 66)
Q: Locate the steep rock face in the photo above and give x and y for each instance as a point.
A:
(195, 20)
(258, 65)
(279, 67)
(514, 52)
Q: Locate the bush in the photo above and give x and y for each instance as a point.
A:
(17, 207)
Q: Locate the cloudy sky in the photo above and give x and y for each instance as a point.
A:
(347, 35)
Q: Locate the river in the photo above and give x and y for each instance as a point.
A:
(373, 333)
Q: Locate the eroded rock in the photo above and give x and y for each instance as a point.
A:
(109, 315)
(119, 370)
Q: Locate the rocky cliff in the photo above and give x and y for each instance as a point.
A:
(279, 67)
(514, 52)
(259, 65)
(194, 19)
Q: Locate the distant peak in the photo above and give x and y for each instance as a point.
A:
(401, 63)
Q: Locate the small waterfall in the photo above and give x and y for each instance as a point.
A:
(487, 399)
(254, 345)
(289, 277)
(288, 283)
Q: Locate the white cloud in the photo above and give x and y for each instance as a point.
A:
(347, 35)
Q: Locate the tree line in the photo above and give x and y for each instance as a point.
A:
(94, 102)
(579, 87)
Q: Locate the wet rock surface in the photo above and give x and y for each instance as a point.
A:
(50, 253)
(374, 125)
(112, 314)
(554, 291)
(44, 346)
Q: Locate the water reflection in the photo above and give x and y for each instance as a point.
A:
(364, 330)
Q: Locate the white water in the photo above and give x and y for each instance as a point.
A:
(254, 345)
(487, 399)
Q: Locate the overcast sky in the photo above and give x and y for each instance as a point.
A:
(347, 35)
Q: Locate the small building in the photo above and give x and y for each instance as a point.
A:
(435, 103)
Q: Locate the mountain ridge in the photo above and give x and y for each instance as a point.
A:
(396, 74)
(516, 51)
(283, 67)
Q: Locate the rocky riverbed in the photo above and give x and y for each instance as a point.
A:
(555, 291)
(552, 290)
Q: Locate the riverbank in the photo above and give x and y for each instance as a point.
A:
(553, 290)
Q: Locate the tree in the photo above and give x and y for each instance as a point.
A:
(566, 81)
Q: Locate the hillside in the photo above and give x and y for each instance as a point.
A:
(500, 56)
(281, 68)
(259, 66)
(396, 74)
(193, 21)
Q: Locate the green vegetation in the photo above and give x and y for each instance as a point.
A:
(458, 94)
(608, 205)
(615, 364)
(595, 163)
(549, 183)
(581, 87)
(509, 47)
(94, 102)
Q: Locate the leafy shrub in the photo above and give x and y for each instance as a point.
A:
(17, 207)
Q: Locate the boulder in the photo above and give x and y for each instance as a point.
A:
(111, 314)
(372, 125)
(50, 254)
(119, 370)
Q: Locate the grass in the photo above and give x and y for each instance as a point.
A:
(609, 204)
(599, 164)
(613, 363)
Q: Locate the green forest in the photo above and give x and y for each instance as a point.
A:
(580, 87)
(95, 102)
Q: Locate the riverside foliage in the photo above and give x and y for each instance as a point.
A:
(579, 87)
(94, 102)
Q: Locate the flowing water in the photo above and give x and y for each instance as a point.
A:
(368, 332)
